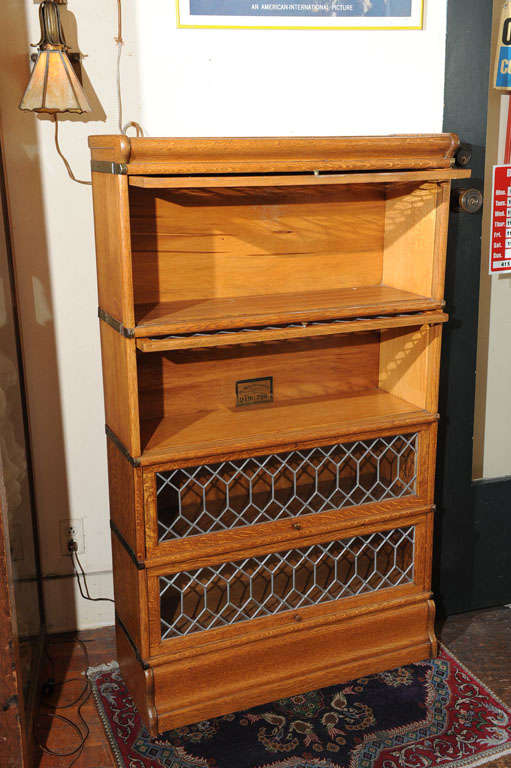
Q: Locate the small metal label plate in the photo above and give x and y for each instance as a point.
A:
(254, 391)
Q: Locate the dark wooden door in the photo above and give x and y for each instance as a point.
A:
(13, 744)
(21, 606)
(473, 534)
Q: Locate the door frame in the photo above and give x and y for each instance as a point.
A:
(472, 567)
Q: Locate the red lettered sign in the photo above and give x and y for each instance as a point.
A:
(500, 245)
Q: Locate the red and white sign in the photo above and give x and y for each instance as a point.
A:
(500, 247)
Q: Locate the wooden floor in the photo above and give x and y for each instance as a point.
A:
(481, 640)
(69, 662)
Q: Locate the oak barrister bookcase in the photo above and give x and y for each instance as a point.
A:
(271, 316)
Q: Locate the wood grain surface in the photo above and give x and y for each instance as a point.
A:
(276, 426)
(248, 311)
(293, 331)
(314, 179)
(276, 154)
(225, 243)
(239, 249)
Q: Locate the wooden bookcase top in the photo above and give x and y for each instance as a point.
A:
(141, 156)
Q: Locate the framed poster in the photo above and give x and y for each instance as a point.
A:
(300, 14)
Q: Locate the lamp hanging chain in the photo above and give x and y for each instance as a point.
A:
(64, 158)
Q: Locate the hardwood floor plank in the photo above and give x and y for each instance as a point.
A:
(69, 662)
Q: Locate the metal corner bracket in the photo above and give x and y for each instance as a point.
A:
(105, 166)
(115, 440)
(130, 640)
(140, 566)
(129, 333)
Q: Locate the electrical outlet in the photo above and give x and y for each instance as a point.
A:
(71, 529)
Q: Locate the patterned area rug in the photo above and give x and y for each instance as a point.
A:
(428, 715)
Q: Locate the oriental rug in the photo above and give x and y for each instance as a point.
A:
(434, 714)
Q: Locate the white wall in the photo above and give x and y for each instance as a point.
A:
(175, 82)
(250, 82)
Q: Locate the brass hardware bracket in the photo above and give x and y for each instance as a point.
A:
(115, 440)
(104, 166)
(129, 333)
(75, 58)
(130, 640)
(140, 566)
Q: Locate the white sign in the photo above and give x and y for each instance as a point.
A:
(500, 243)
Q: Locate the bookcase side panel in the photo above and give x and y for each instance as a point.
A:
(442, 225)
(409, 364)
(126, 500)
(410, 228)
(139, 680)
(113, 247)
(120, 387)
(130, 591)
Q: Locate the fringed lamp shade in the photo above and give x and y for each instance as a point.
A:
(53, 85)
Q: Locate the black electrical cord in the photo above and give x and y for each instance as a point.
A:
(86, 595)
(84, 695)
(50, 686)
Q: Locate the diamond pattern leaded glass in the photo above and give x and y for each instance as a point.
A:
(265, 585)
(216, 497)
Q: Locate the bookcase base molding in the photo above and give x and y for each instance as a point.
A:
(271, 315)
(174, 692)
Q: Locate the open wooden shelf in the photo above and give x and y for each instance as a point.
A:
(224, 258)
(298, 389)
(230, 429)
(247, 311)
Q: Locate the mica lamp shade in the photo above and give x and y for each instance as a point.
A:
(53, 85)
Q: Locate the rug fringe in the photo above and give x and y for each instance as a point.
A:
(106, 667)
(92, 675)
(484, 760)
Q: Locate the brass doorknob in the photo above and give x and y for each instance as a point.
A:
(468, 200)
